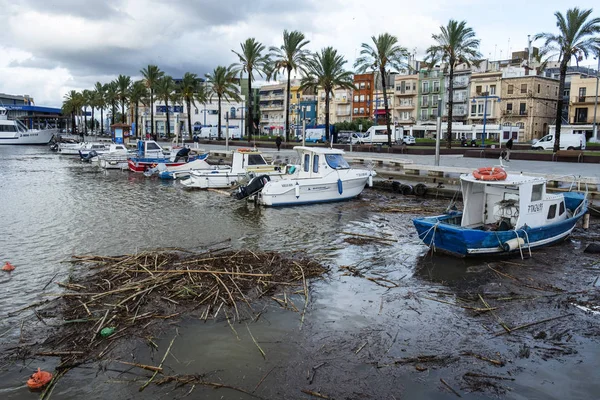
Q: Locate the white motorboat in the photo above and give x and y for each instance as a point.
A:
(245, 161)
(115, 158)
(323, 176)
(184, 170)
(15, 132)
(74, 149)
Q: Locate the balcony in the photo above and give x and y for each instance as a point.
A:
(584, 99)
(436, 89)
(585, 120)
(425, 90)
(462, 83)
(342, 100)
(459, 99)
(406, 106)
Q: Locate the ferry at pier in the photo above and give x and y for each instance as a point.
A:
(15, 132)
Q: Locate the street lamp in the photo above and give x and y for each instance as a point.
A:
(596, 99)
(485, 98)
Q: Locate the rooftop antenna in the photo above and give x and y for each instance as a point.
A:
(529, 51)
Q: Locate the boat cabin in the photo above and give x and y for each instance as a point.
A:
(509, 204)
(149, 149)
(318, 162)
(249, 160)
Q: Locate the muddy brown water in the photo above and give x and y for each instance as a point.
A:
(359, 340)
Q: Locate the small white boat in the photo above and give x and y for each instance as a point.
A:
(115, 158)
(245, 161)
(323, 176)
(184, 170)
(74, 149)
(14, 132)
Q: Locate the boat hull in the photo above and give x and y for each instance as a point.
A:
(142, 165)
(293, 192)
(444, 233)
(211, 180)
(28, 138)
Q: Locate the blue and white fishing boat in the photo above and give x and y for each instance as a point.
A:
(149, 155)
(503, 213)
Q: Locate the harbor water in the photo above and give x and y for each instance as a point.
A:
(52, 208)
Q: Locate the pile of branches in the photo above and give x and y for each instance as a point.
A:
(130, 293)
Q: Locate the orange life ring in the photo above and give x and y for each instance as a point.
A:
(39, 379)
(245, 150)
(490, 174)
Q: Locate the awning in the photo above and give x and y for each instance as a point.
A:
(380, 112)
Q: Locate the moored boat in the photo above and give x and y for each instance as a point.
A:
(15, 132)
(323, 176)
(502, 214)
(149, 154)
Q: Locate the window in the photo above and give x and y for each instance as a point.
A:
(552, 212)
(336, 161)
(362, 110)
(492, 89)
(316, 163)
(479, 109)
(509, 108)
(539, 87)
(424, 101)
(556, 91)
(256, 159)
(562, 208)
(523, 88)
(308, 108)
(521, 125)
(510, 89)
(522, 109)
(473, 109)
(436, 86)
(478, 89)
(362, 97)
(306, 162)
(424, 114)
(356, 99)
(356, 111)
(425, 87)
(362, 85)
(368, 97)
(196, 111)
(567, 92)
(536, 192)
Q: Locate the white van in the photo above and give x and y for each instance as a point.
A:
(568, 141)
(377, 134)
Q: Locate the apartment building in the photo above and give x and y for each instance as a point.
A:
(361, 96)
(484, 94)
(430, 90)
(272, 100)
(460, 94)
(405, 99)
(340, 106)
(582, 101)
(528, 101)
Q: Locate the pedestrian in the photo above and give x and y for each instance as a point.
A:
(509, 146)
(196, 140)
(278, 142)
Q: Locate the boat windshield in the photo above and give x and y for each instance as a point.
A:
(20, 126)
(336, 161)
(256, 159)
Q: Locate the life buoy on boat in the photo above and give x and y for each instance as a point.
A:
(245, 150)
(490, 174)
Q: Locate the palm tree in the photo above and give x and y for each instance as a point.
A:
(137, 95)
(87, 100)
(291, 56)
(222, 83)
(112, 97)
(165, 91)
(123, 83)
(100, 90)
(576, 38)
(71, 105)
(455, 44)
(326, 71)
(384, 56)
(151, 75)
(93, 101)
(201, 95)
(189, 87)
(252, 60)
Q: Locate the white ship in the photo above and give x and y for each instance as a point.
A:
(14, 132)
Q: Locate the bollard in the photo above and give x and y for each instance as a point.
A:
(586, 221)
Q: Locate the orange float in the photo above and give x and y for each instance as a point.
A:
(245, 150)
(39, 380)
(490, 174)
(8, 267)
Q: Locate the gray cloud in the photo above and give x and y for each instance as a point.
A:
(92, 10)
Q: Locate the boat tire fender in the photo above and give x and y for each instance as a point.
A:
(420, 189)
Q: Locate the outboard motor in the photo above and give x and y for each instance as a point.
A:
(254, 186)
(89, 156)
(183, 153)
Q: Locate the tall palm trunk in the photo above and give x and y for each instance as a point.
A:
(327, 116)
(85, 120)
(137, 118)
(189, 117)
(73, 127)
(249, 116)
(219, 129)
(386, 107)
(152, 115)
(112, 117)
(559, 104)
(102, 120)
(450, 104)
(93, 120)
(287, 107)
(122, 111)
(168, 122)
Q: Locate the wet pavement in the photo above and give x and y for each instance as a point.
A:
(389, 320)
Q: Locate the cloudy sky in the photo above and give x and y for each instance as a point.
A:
(49, 47)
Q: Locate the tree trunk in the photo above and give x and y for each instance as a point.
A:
(327, 116)
(137, 117)
(102, 120)
(152, 114)
(189, 117)
(559, 103)
(73, 128)
(287, 107)
(168, 124)
(385, 105)
(85, 119)
(219, 122)
(93, 120)
(249, 112)
(123, 111)
(450, 105)
(112, 117)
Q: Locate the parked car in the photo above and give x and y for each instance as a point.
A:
(348, 137)
(409, 140)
